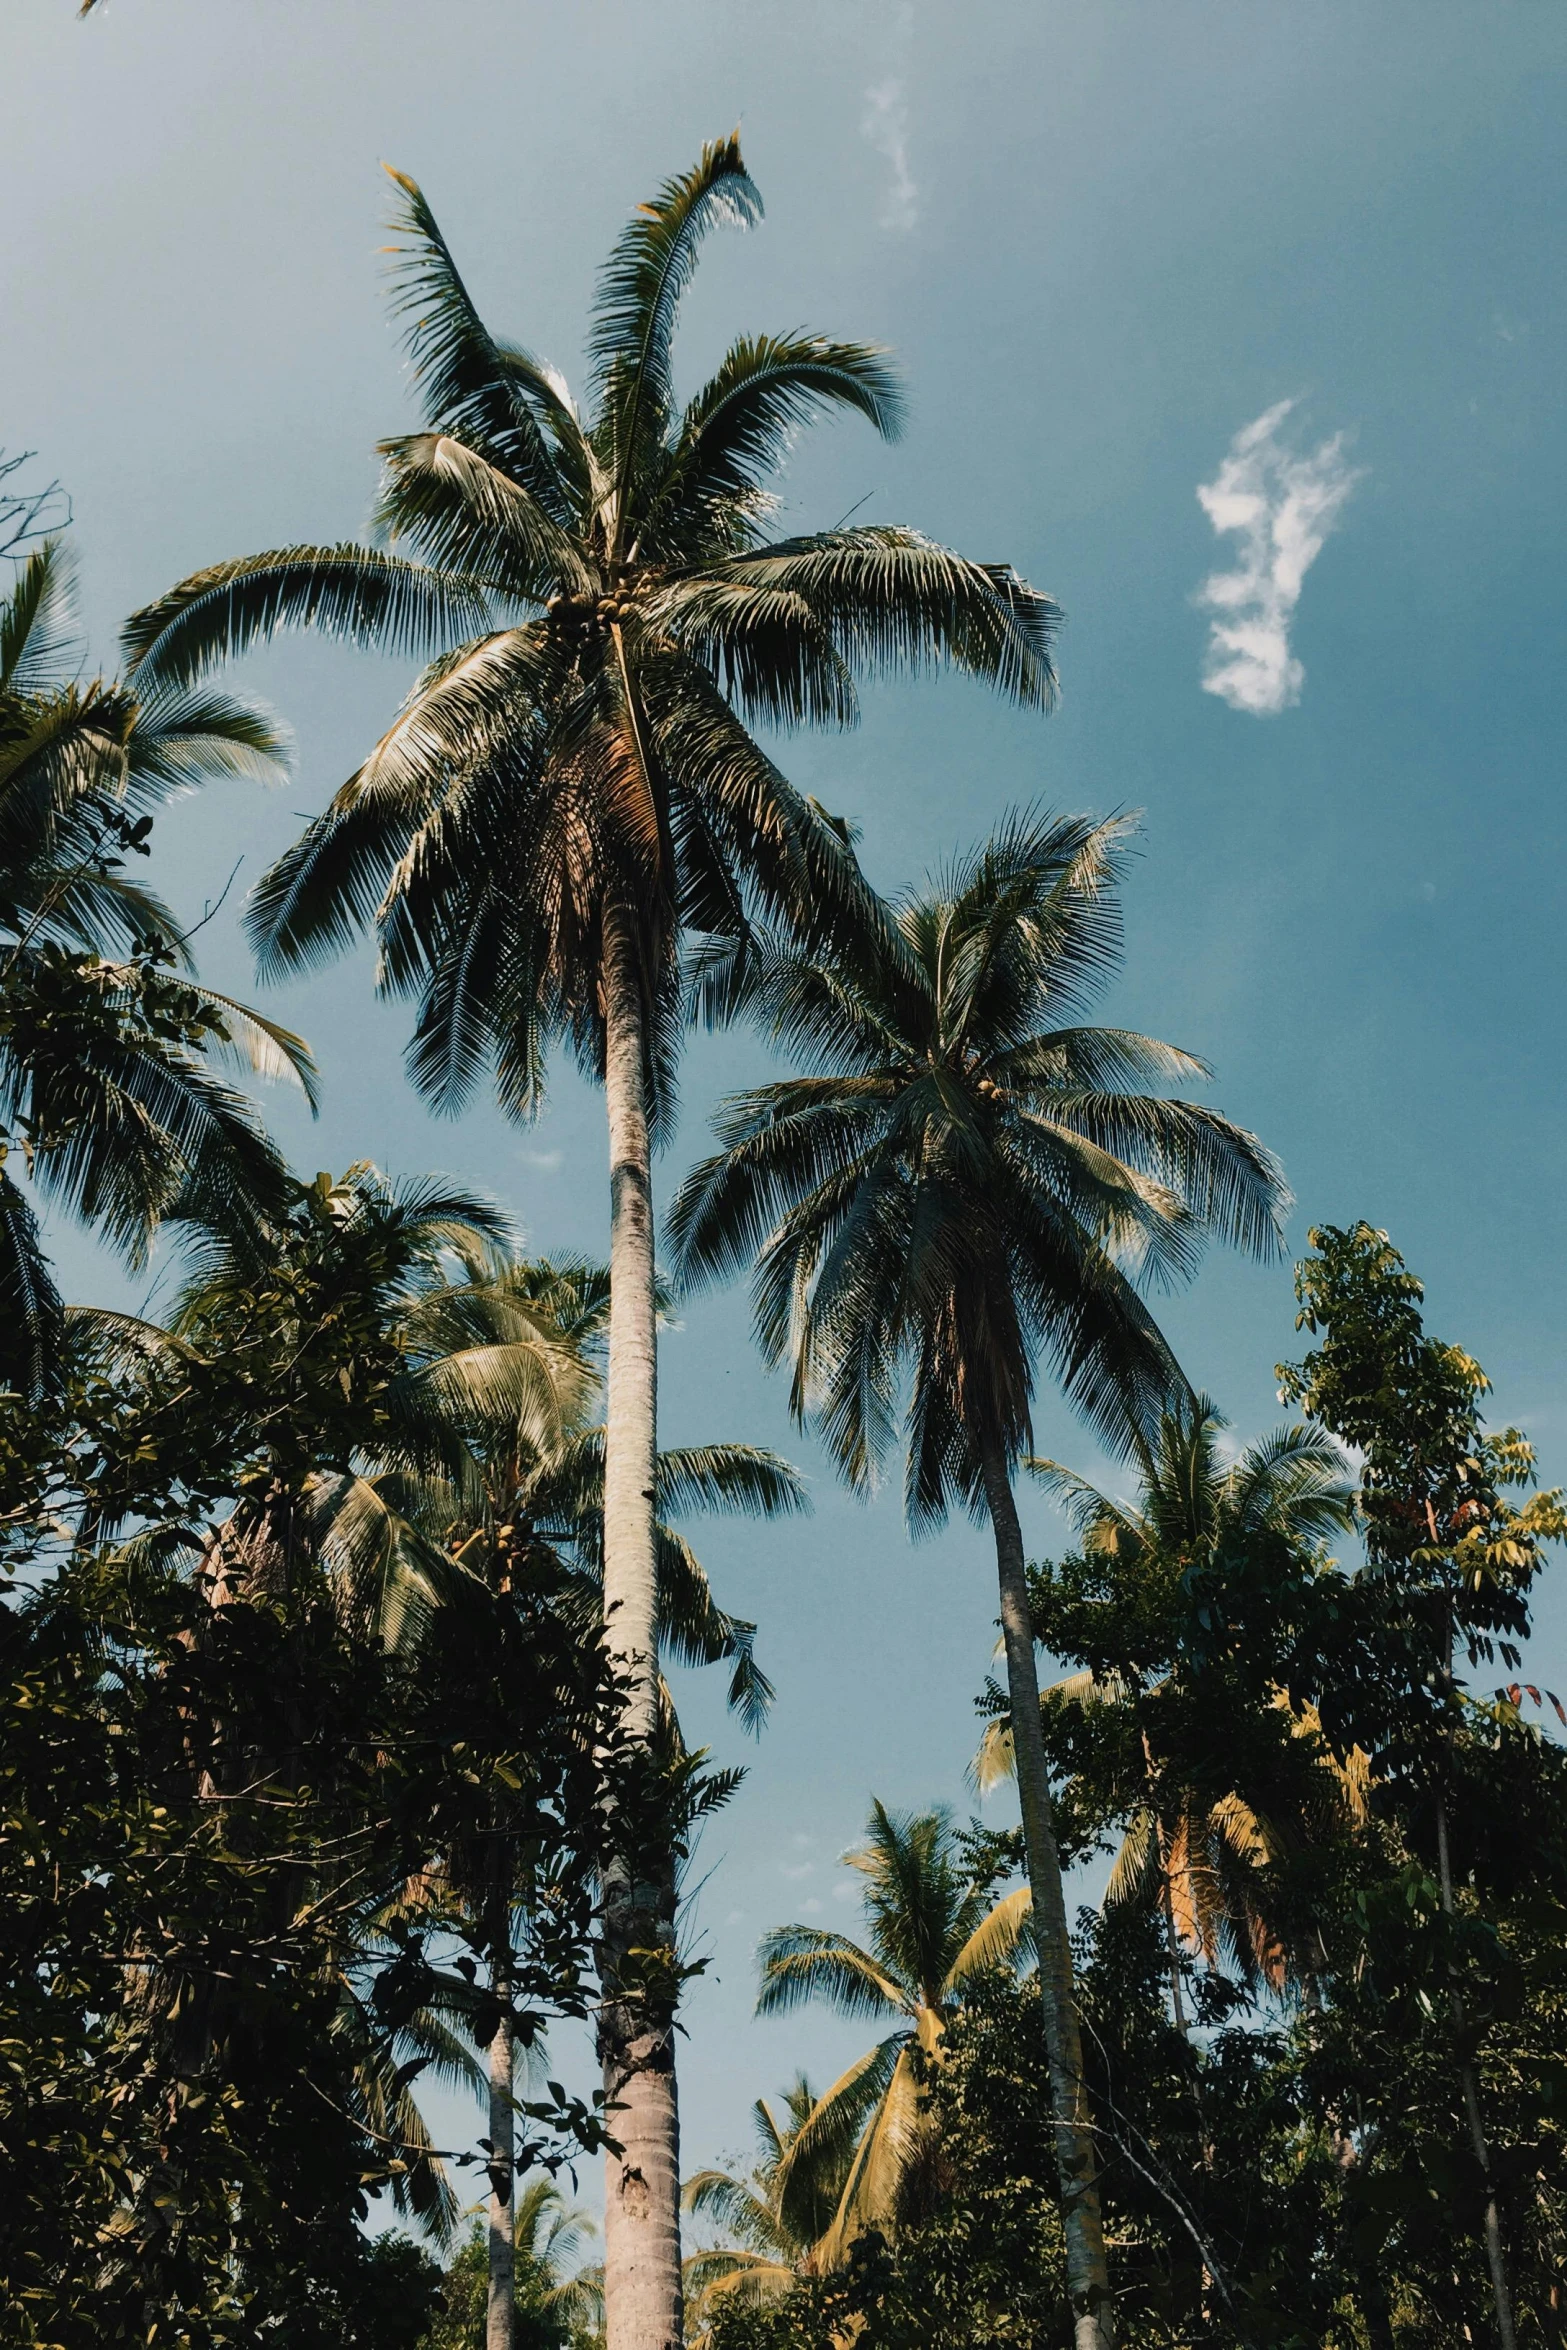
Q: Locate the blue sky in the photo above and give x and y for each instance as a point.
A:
(1104, 242)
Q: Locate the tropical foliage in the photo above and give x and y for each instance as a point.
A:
(338, 1759)
(109, 1047)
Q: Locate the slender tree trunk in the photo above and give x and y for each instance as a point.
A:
(1495, 2254)
(636, 2031)
(1087, 2269)
(501, 2309)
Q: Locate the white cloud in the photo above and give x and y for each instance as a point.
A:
(812, 1908)
(807, 1868)
(542, 1162)
(1282, 507)
(885, 123)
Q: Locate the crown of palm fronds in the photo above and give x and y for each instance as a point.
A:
(1205, 1854)
(968, 1179)
(603, 620)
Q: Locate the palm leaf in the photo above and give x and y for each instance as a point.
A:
(349, 591)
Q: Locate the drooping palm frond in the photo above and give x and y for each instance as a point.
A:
(350, 591)
(31, 1311)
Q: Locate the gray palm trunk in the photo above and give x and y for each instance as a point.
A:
(1087, 2269)
(642, 2295)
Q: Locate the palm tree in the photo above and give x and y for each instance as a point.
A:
(560, 2302)
(1199, 1851)
(963, 1183)
(540, 1477)
(108, 1088)
(934, 1926)
(769, 2246)
(572, 786)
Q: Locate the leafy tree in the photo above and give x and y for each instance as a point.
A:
(934, 1927)
(217, 1991)
(957, 1187)
(108, 1045)
(1455, 1552)
(572, 787)
(1198, 1844)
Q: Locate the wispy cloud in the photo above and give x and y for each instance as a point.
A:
(542, 1162)
(885, 123)
(1282, 507)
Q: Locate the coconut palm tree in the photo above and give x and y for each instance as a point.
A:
(966, 1180)
(542, 1480)
(109, 1048)
(1200, 1852)
(769, 2247)
(572, 787)
(933, 1926)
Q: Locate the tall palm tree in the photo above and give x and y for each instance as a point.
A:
(572, 786)
(1198, 1851)
(933, 1926)
(109, 1087)
(966, 1180)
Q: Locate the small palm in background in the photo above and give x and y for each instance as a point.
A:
(934, 1924)
(767, 2245)
(1196, 1845)
(560, 2303)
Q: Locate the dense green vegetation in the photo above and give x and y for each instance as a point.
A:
(338, 1760)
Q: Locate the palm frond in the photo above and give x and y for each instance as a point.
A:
(39, 645)
(639, 294)
(473, 386)
(349, 591)
(32, 1316)
(799, 1963)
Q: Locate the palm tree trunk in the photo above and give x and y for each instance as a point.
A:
(501, 2308)
(1087, 2270)
(636, 2028)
